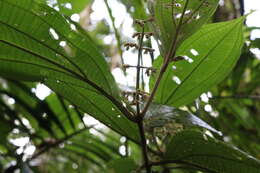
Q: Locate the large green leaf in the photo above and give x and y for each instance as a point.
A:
(39, 40)
(169, 20)
(210, 55)
(31, 41)
(96, 105)
(162, 116)
(201, 151)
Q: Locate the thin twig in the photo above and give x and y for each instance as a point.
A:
(142, 73)
(133, 66)
(171, 53)
(139, 118)
(117, 35)
(138, 72)
(172, 8)
(242, 7)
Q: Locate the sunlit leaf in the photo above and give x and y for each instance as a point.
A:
(210, 55)
(183, 17)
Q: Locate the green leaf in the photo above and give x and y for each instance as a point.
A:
(201, 151)
(78, 72)
(210, 55)
(40, 42)
(169, 20)
(123, 165)
(160, 116)
(97, 106)
(76, 6)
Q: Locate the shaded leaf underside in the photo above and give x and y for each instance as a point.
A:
(80, 74)
(205, 152)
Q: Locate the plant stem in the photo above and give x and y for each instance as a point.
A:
(137, 88)
(171, 53)
(141, 66)
(142, 74)
(137, 99)
(117, 35)
(144, 146)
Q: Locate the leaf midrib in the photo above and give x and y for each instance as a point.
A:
(91, 83)
(40, 42)
(188, 76)
(106, 115)
(169, 73)
(210, 74)
(51, 26)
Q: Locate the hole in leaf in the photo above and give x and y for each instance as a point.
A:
(176, 80)
(68, 5)
(194, 52)
(63, 43)
(75, 17)
(54, 34)
(188, 59)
